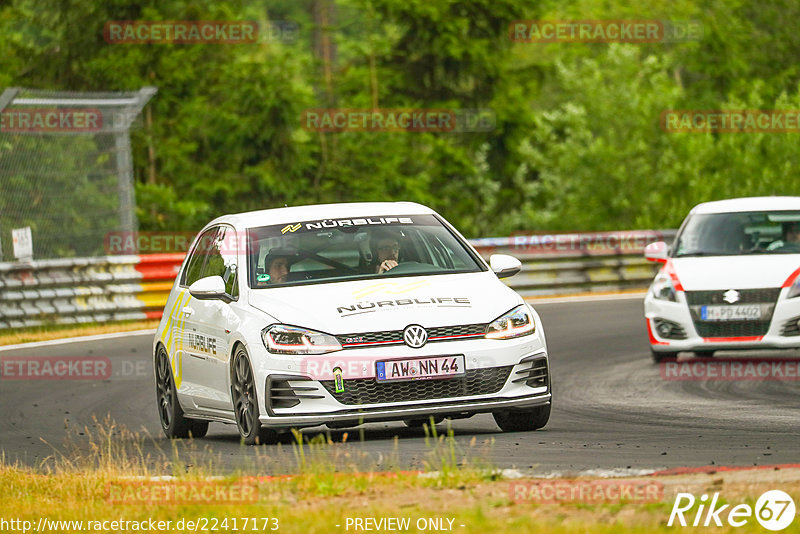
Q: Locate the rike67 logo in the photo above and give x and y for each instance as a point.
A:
(774, 510)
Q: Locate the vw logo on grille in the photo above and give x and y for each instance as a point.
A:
(415, 336)
(731, 296)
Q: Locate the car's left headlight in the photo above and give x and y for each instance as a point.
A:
(517, 322)
(284, 339)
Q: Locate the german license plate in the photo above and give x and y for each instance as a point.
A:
(420, 368)
(731, 313)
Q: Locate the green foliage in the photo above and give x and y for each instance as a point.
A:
(577, 143)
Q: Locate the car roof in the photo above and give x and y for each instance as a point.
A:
(748, 204)
(315, 212)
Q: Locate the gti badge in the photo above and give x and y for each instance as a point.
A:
(415, 336)
(731, 296)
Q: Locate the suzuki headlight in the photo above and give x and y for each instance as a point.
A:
(794, 291)
(517, 322)
(663, 289)
(283, 339)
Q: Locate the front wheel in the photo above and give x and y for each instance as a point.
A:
(704, 354)
(245, 402)
(173, 422)
(520, 421)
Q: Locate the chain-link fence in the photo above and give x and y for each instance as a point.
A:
(66, 168)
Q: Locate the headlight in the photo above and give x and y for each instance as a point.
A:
(282, 339)
(794, 291)
(663, 289)
(517, 322)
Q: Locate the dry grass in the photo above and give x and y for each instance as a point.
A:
(48, 332)
(328, 489)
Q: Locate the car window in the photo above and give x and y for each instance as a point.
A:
(197, 258)
(221, 259)
(342, 249)
(739, 233)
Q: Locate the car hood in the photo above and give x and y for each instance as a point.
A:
(735, 272)
(390, 304)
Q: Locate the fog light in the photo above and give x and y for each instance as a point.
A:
(665, 329)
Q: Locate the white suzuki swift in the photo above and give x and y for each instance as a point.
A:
(342, 314)
(730, 280)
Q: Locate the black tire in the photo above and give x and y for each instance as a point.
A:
(704, 353)
(659, 357)
(245, 402)
(521, 421)
(418, 423)
(173, 423)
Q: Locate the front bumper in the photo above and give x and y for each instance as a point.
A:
(393, 413)
(498, 377)
(776, 336)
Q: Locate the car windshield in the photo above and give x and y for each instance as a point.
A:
(306, 252)
(732, 234)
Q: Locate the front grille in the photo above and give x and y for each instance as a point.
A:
(392, 337)
(791, 327)
(768, 295)
(675, 331)
(731, 328)
(360, 391)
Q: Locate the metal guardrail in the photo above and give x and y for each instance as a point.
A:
(578, 263)
(119, 288)
(82, 290)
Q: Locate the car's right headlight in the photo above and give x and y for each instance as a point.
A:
(794, 290)
(663, 289)
(284, 339)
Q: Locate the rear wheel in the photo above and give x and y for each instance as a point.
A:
(173, 422)
(518, 421)
(245, 402)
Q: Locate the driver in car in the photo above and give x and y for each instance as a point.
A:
(791, 238)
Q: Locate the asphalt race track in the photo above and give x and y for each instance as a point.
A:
(612, 411)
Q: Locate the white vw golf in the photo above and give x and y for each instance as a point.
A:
(342, 314)
(731, 280)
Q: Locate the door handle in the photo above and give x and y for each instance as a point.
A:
(187, 311)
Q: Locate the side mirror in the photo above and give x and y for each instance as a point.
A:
(504, 265)
(209, 288)
(656, 252)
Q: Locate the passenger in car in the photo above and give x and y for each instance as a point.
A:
(385, 251)
(276, 266)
